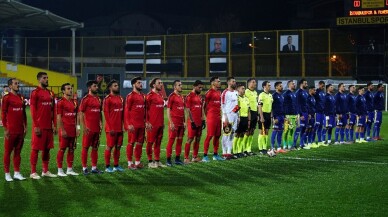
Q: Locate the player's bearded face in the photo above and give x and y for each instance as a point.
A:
(139, 86)
(198, 89)
(94, 89)
(44, 81)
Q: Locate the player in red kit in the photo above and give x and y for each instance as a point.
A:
(212, 109)
(67, 132)
(114, 116)
(135, 123)
(14, 119)
(176, 122)
(90, 117)
(195, 120)
(42, 105)
(154, 122)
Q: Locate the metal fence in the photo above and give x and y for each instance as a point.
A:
(317, 53)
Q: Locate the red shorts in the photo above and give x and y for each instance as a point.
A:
(194, 132)
(14, 141)
(213, 128)
(178, 132)
(91, 139)
(44, 141)
(112, 141)
(136, 136)
(65, 142)
(154, 134)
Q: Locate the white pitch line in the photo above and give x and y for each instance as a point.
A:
(337, 161)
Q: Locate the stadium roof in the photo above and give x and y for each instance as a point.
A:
(14, 14)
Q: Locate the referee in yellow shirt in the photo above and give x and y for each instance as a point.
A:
(252, 96)
(244, 120)
(265, 112)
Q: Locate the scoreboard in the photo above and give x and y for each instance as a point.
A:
(364, 12)
(366, 7)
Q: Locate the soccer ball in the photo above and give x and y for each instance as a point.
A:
(271, 153)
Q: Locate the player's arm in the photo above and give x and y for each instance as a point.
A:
(107, 114)
(260, 108)
(24, 118)
(127, 118)
(188, 111)
(34, 111)
(60, 124)
(169, 105)
(223, 106)
(4, 115)
(54, 112)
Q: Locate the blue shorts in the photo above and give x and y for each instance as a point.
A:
(378, 117)
(303, 123)
(352, 119)
(361, 120)
(280, 124)
(371, 117)
(311, 122)
(342, 121)
(330, 121)
(320, 119)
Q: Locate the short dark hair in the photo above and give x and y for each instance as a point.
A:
(360, 87)
(240, 85)
(369, 84)
(264, 83)
(90, 83)
(278, 83)
(311, 87)
(340, 84)
(40, 74)
(301, 81)
(379, 85)
(197, 82)
(328, 85)
(9, 82)
(153, 81)
(351, 86)
(229, 78)
(174, 83)
(64, 85)
(288, 82)
(135, 79)
(249, 80)
(111, 82)
(321, 82)
(213, 78)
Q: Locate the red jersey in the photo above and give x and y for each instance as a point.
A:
(213, 103)
(91, 107)
(113, 112)
(13, 113)
(135, 110)
(42, 106)
(176, 106)
(155, 109)
(68, 111)
(194, 104)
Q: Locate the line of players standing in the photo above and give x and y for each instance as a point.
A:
(140, 114)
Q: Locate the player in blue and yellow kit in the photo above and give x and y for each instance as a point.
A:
(369, 107)
(278, 117)
(290, 111)
(341, 111)
(320, 97)
(351, 103)
(302, 108)
(378, 105)
(329, 113)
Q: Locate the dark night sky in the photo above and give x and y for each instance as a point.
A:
(253, 15)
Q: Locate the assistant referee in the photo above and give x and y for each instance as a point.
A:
(265, 112)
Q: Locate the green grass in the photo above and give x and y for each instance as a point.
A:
(347, 180)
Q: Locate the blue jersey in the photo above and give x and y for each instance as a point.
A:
(351, 101)
(329, 104)
(301, 99)
(311, 103)
(290, 103)
(361, 105)
(320, 100)
(340, 103)
(378, 101)
(369, 100)
(277, 104)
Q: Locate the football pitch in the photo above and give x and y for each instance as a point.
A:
(342, 180)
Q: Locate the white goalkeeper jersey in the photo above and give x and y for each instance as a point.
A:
(229, 100)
